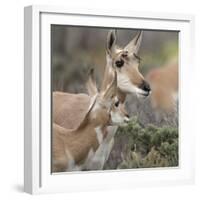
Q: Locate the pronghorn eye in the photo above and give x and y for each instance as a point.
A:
(117, 104)
(119, 63)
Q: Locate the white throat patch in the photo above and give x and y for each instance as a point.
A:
(99, 134)
(125, 85)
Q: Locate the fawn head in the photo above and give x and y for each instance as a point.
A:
(107, 107)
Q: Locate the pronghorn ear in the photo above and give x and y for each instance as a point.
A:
(91, 84)
(111, 41)
(134, 45)
(86, 117)
(111, 90)
(108, 73)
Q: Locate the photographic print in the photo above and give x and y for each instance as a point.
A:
(114, 98)
(106, 95)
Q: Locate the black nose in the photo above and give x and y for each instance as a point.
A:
(145, 86)
(119, 63)
(127, 115)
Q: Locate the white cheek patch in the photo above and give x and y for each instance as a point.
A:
(125, 85)
(116, 117)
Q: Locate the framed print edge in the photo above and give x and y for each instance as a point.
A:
(27, 100)
(37, 175)
(31, 100)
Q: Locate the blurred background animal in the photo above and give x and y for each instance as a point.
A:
(164, 84)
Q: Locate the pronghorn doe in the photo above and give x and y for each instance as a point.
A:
(126, 62)
(69, 109)
(74, 149)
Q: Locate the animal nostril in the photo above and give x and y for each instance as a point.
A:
(145, 86)
(117, 104)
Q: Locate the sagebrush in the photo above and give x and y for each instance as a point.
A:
(143, 147)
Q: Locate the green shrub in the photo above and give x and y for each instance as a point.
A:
(146, 147)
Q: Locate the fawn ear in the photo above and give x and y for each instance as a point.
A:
(111, 42)
(87, 114)
(91, 84)
(134, 45)
(111, 89)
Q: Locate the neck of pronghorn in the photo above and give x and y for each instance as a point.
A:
(73, 149)
(164, 84)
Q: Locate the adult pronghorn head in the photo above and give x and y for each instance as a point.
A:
(126, 62)
(107, 103)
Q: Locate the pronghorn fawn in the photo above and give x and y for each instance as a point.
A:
(164, 84)
(119, 116)
(74, 149)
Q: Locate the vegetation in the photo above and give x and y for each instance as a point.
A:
(145, 147)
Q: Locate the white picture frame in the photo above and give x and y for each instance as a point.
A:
(37, 137)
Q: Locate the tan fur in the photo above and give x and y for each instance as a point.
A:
(77, 142)
(69, 109)
(164, 84)
(132, 72)
(129, 72)
(59, 157)
(73, 146)
(130, 69)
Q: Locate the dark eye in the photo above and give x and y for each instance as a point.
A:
(119, 63)
(117, 104)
